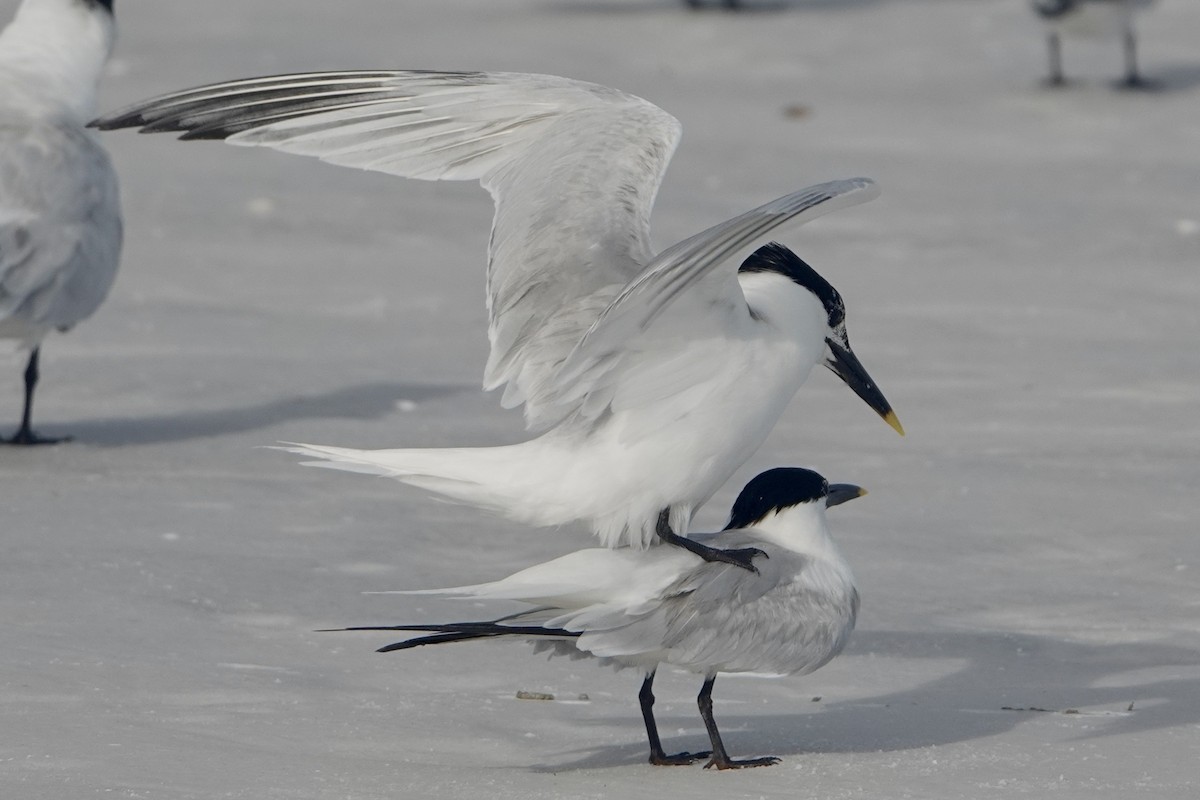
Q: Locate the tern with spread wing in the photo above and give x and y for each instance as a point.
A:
(60, 217)
(653, 377)
(669, 607)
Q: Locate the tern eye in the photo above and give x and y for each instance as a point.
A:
(836, 310)
(837, 321)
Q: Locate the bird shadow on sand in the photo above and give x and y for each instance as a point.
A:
(1000, 681)
(1175, 78)
(366, 401)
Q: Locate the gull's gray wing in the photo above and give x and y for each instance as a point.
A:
(573, 168)
(703, 267)
(60, 227)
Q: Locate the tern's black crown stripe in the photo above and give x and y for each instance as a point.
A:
(106, 4)
(774, 257)
(775, 490)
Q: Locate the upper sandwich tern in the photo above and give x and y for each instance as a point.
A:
(668, 606)
(60, 216)
(1091, 17)
(656, 375)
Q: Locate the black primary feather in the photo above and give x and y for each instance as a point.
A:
(461, 632)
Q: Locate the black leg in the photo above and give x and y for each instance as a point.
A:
(720, 759)
(657, 756)
(1133, 79)
(742, 557)
(25, 434)
(1054, 47)
(1131, 71)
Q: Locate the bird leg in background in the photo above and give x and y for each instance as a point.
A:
(1133, 80)
(25, 434)
(1054, 44)
(657, 756)
(720, 759)
(743, 557)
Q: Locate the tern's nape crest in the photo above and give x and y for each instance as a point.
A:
(105, 4)
(774, 257)
(775, 490)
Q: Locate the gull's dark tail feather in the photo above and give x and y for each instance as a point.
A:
(462, 632)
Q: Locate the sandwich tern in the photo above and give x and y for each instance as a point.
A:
(654, 377)
(60, 217)
(1091, 18)
(667, 606)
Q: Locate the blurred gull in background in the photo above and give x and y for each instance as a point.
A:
(60, 217)
(1101, 18)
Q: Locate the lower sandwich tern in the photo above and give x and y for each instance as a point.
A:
(669, 607)
(1091, 18)
(60, 219)
(654, 376)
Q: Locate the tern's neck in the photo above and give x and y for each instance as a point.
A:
(790, 310)
(801, 529)
(51, 56)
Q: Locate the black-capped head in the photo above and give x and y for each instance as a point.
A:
(107, 5)
(839, 357)
(774, 257)
(782, 488)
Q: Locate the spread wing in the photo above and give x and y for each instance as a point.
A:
(573, 168)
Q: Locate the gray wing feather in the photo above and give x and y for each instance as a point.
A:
(717, 616)
(704, 258)
(573, 168)
(664, 621)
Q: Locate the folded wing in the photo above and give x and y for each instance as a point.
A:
(60, 228)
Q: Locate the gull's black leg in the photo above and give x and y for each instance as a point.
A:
(742, 557)
(720, 759)
(25, 434)
(657, 756)
(1054, 47)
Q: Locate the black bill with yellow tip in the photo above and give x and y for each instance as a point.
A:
(846, 366)
(841, 492)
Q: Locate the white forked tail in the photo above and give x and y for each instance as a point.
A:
(535, 482)
(498, 479)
